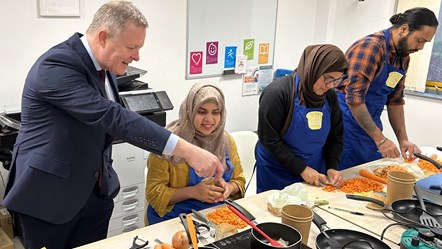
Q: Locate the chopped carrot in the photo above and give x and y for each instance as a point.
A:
(328, 188)
(225, 215)
(427, 166)
(357, 185)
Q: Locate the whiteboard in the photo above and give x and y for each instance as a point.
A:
(215, 26)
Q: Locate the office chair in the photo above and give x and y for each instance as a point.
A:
(246, 143)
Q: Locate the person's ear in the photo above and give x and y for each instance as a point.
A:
(102, 37)
(404, 29)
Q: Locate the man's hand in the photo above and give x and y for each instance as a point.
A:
(203, 162)
(408, 149)
(389, 149)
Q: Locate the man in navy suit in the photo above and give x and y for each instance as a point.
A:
(61, 183)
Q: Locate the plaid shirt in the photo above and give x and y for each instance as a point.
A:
(366, 60)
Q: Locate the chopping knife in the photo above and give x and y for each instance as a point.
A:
(204, 219)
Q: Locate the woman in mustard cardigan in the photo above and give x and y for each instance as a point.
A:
(173, 187)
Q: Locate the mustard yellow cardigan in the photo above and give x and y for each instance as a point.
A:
(163, 177)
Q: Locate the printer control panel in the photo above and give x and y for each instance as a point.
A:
(144, 102)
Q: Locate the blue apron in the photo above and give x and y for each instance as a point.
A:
(187, 205)
(306, 137)
(359, 147)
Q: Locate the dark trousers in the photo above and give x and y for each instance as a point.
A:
(89, 225)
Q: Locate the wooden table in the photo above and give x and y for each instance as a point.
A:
(257, 205)
(372, 221)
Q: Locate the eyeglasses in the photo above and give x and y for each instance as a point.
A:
(330, 80)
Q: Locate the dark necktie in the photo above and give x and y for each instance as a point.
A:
(102, 74)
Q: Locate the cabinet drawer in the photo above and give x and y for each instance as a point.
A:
(131, 205)
(131, 191)
(126, 221)
(125, 224)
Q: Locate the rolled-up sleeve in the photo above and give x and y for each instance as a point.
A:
(365, 60)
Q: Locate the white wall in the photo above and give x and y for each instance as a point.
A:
(300, 22)
(352, 19)
(163, 56)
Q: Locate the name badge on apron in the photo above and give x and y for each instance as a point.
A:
(314, 120)
(393, 79)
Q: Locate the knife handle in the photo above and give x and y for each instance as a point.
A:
(192, 231)
(241, 209)
(366, 198)
(183, 219)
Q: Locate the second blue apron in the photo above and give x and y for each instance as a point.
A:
(359, 147)
(306, 137)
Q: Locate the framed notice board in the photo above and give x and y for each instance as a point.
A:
(218, 30)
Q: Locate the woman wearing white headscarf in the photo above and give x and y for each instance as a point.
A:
(173, 187)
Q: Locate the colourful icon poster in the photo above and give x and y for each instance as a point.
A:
(230, 57)
(249, 47)
(211, 52)
(263, 56)
(196, 62)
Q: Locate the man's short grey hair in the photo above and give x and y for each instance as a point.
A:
(114, 16)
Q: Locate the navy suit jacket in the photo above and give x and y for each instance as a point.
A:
(66, 133)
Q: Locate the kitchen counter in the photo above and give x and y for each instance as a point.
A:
(373, 222)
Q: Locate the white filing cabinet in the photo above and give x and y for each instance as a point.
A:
(129, 163)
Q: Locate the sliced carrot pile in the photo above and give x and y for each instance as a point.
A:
(328, 188)
(356, 185)
(427, 166)
(225, 215)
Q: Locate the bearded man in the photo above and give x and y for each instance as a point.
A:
(376, 77)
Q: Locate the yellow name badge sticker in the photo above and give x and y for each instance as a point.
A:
(314, 120)
(393, 79)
